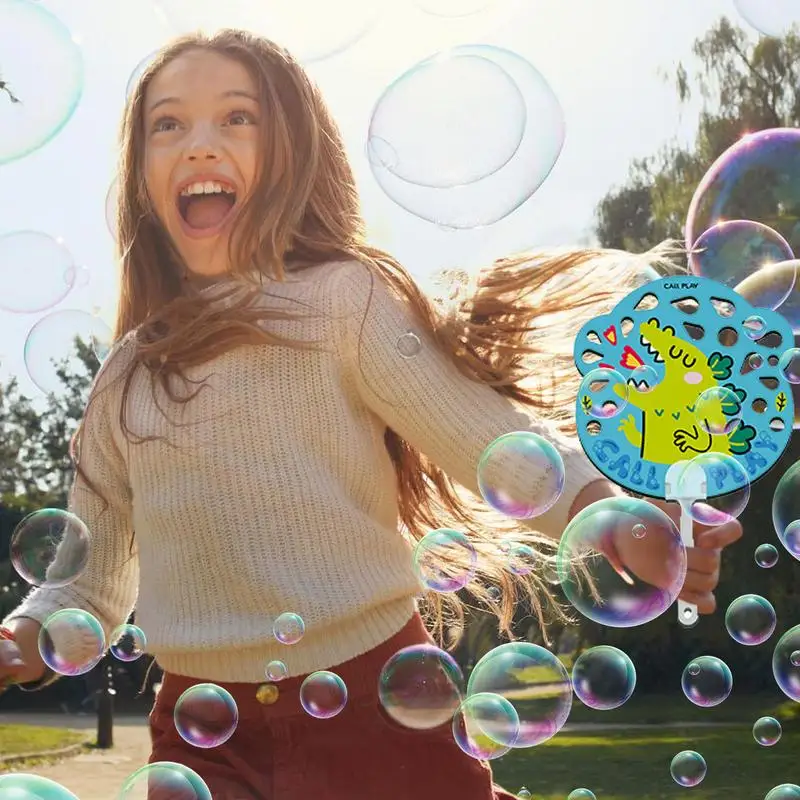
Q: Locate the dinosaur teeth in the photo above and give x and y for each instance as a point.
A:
(657, 358)
(651, 350)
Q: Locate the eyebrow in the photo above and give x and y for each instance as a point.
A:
(224, 96)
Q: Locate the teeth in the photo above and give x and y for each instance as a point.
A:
(650, 349)
(207, 187)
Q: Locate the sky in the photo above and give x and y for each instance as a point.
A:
(604, 60)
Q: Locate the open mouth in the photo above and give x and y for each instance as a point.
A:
(206, 205)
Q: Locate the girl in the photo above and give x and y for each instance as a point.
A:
(280, 400)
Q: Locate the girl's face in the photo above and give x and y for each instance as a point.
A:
(201, 120)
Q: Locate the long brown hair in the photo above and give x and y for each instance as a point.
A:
(510, 326)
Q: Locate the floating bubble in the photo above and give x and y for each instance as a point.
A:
(785, 791)
(524, 794)
(755, 326)
(617, 579)
(644, 379)
(767, 731)
(71, 642)
(112, 200)
(128, 642)
(323, 694)
(465, 137)
(206, 715)
(603, 677)
(138, 71)
(165, 779)
(36, 271)
(409, 345)
(22, 786)
(35, 103)
(786, 510)
(52, 340)
(534, 681)
(288, 628)
(604, 393)
(276, 670)
(486, 726)
(521, 475)
(755, 361)
(50, 548)
(766, 556)
(775, 18)
(582, 794)
(786, 663)
(688, 768)
(731, 251)
(707, 681)
(521, 559)
(719, 470)
(718, 411)
(639, 531)
(445, 560)
(750, 619)
(789, 365)
(754, 179)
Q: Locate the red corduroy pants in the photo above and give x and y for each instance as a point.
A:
(278, 752)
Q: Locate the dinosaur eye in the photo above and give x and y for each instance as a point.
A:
(675, 352)
(689, 361)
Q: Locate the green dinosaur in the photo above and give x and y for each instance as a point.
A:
(671, 430)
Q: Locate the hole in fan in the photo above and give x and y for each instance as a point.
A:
(776, 424)
(647, 303)
(695, 331)
(752, 361)
(724, 308)
(769, 383)
(772, 340)
(773, 361)
(727, 337)
(593, 337)
(593, 428)
(759, 405)
(590, 357)
(626, 326)
(686, 304)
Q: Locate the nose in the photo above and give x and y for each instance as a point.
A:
(202, 146)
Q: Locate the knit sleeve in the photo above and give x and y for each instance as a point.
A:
(108, 586)
(416, 390)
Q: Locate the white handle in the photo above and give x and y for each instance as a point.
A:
(687, 613)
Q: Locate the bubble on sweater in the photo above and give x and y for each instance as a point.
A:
(206, 715)
(71, 642)
(289, 628)
(409, 345)
(128, 642)
(445, 560)
(323, 694)
(486, 726)
(276, 670)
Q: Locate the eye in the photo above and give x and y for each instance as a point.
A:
(238, 118)
(164, 124)
(675, 352)
(689, 361)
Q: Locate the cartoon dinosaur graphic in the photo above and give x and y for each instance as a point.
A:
(670, 430)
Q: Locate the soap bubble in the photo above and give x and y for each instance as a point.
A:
(486, 726)
(688, 768)
(37, 97)
(604, 393)
(707, 681)
(603, 677)
(721, 473)
(522, 559)
(786, 510)
(288, 628)
(276, 670)
(767, 731)
(50, 548)
(644, 379)
(718, 411)
(128, 642)
(421, 687)
(206, 715)
(534, 681)
(582, 794)
(22, 786)
(785, 791)
(765, 289)
(482, 101)
(323, 694)
(445, 560)
(409, 345)
(165, 779)
(789, 365)
(750, 619)
(786, 663)
(766, 556)
(71, 642)
(611, 576)
(773, 18)
(521, 475)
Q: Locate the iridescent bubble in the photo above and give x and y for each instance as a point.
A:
(36, 271)
(445, 560)
(582, 794)
(23, 786)
(644, 379)
(276, 670)
(71, 642)
(766, 289)
(688, 768)
(524, 794)
(603, 677)
(323, 694)
(128, 642)
(767, 731)
(521, 559)
(138, 71)
(534, 681)
(165, 779)
(112, 199)
(786, 510)
(486, 726)
(206, 715)
(754, 179)
(755, 361)
(707, 681)
(785, 791)
(720, 472)
(35, 103)
(421, 687)
(521, 475)
(52, 340)
(766, 556)
(288, 628)
(755, 326)
(718, 411)
(604, 393)
(50, 548)
(409, 345)
(786, 663)
(750, 619)
(731, 251)
(639, 530)
(775, 18)
(789, 365)
(617, 579)
(466, 136)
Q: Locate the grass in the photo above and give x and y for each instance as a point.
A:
(20, 739)
(634, 764)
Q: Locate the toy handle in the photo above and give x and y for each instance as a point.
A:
(687, 613)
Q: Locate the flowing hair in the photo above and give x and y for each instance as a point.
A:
(510, 326)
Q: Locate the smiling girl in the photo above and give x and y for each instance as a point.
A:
(283, 414)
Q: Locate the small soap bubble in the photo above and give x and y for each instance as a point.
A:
(750, 619)
(638, 530)
(603, 677)
(789, 365)
(524, 794)
(795, 658)
(755, 326)
(166, 779)
(521, 559)
(50, 548)
(486, 726)
(755, 361)
(71, 642)
(766, 556)
(582, 794)
(718, 411)
(688, 768)
(707, 681)
(420, 687)
(206, 715)
(786, 510)
(128, 642)
(644, 379)
(604, 393)
(785, 791)
(445, 560)
(323, 694)
(22, 786)
(288, 628)
(786, 663)
(276, 670)
(727, 484)
(767, 731)
(409, 345)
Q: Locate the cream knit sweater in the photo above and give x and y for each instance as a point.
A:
(275, 492)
